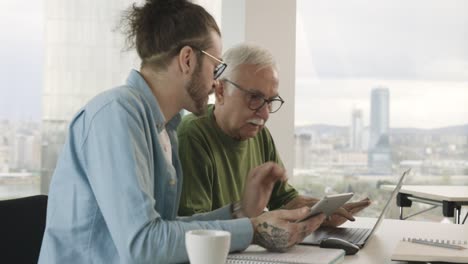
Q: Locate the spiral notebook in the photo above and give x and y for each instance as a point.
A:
(410, 249)
(296, 255)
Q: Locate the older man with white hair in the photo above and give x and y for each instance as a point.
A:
(218, 149)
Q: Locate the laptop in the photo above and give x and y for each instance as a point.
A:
(357, 236)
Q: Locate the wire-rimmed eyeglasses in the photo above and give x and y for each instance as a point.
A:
(257, 101)
(219, 68)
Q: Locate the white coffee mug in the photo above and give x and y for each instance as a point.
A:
(207, 246)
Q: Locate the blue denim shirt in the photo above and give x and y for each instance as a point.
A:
(114, 196)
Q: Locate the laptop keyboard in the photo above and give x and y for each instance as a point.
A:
(353, 235)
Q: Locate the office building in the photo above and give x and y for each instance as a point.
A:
(356, 132)
(4, 155)
(303, 144)
(379, 158)
(83, 56)
(379, 115)
(26, 148)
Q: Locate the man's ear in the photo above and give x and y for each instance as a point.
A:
(187, 60)
(220, 91)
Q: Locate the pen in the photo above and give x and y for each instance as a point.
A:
(433, 243)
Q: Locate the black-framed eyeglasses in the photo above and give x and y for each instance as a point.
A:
(219, 68)
(257, 101)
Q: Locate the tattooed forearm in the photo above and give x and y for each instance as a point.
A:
(271, 237)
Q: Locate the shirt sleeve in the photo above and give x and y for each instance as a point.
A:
(223, 213)
(118, 163)
(197, 188)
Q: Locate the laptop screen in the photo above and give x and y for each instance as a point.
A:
(387, 205)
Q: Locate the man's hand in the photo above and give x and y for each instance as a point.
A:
(278, 231)
(346, 212)
(258, 187)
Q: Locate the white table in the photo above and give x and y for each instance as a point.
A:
(380, 247)
(451, 198)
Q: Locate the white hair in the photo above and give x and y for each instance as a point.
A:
(246, 53)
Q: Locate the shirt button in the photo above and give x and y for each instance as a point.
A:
(172, 181)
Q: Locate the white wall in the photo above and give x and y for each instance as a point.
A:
(213, 7)
(233, 22)
(272, 24)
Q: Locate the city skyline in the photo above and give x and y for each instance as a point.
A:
(415, 48)
(416, 104)
(378, 149)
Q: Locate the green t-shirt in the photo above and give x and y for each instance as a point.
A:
(215, 165)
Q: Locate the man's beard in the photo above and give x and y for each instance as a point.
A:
(195, 90)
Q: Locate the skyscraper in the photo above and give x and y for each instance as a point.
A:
(379, 116)
(379, 159)
(303, 143)
(83, 56)
(356, 130)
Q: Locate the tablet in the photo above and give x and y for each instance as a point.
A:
(328, 205)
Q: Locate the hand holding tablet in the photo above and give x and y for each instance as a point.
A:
(328, 205)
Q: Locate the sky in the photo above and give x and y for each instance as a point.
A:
(418, 49)
(22, 52)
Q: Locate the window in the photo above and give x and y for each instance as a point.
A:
(380, 87)
(56, 56)
(21, 50)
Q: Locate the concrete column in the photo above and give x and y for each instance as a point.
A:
(272, 24)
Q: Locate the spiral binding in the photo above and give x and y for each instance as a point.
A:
(447, 243)
(256, 261)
